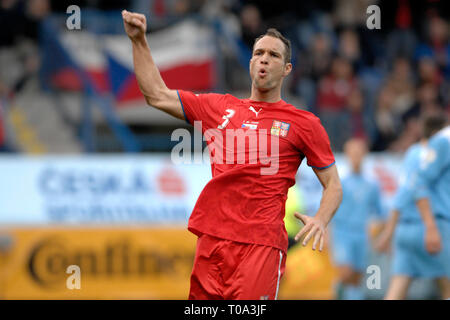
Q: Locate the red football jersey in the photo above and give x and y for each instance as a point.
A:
(245, 199)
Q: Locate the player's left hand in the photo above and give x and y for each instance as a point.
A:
(433, 241)
(313, 227)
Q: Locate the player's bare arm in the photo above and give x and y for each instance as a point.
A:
(384, 240)
(149, 79)
(314, 227)
(432, 235)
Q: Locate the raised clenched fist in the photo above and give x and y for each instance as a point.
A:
(135, 25)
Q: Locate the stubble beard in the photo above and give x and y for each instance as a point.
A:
(263, 85)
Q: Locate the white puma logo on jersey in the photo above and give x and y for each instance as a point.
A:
(253, 109)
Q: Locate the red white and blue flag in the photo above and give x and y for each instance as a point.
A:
(184, 54)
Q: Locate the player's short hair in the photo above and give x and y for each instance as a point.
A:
(272, 32)
(433, 123)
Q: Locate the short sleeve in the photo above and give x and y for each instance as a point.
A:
(316, 145)
(434, 159)
(201, 107)
(432, 162)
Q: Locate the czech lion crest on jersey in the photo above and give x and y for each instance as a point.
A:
(279, 128)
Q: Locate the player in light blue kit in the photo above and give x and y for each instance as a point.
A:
(434, 193)
(412, 256)
(349, 228)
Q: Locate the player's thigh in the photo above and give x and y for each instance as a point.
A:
(398, 287)
(258, 275)
(205, 277)
(444, 287)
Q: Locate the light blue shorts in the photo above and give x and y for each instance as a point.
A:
(410, 257)
(350, 249)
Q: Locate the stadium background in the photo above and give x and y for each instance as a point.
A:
(86, 176)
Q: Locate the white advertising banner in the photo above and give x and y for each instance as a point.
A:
(98, 190)
(137, 189)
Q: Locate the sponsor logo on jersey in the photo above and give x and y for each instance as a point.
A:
(250, 125)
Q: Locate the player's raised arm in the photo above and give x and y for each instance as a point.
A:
(150, 82)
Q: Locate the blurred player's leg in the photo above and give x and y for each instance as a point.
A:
(444, 287)
(349, 287)
(349, 255)
(398, 287)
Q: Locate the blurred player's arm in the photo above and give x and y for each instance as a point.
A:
(149, 79)
(430, 169)
(384, 240)
(331, 199)
(378, 218)
(432, 235)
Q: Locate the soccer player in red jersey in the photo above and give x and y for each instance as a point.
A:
(238, 217)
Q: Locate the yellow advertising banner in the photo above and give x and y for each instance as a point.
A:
(309, 274)
(125, 263)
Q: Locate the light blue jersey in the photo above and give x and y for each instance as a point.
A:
(361, 199)
(404, 200)
(434, 174)
(418, 180)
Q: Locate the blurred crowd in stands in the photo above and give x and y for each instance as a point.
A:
(362, 83)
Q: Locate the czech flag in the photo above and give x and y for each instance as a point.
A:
(184, 54)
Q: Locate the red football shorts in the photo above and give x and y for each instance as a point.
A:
(229, 270)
